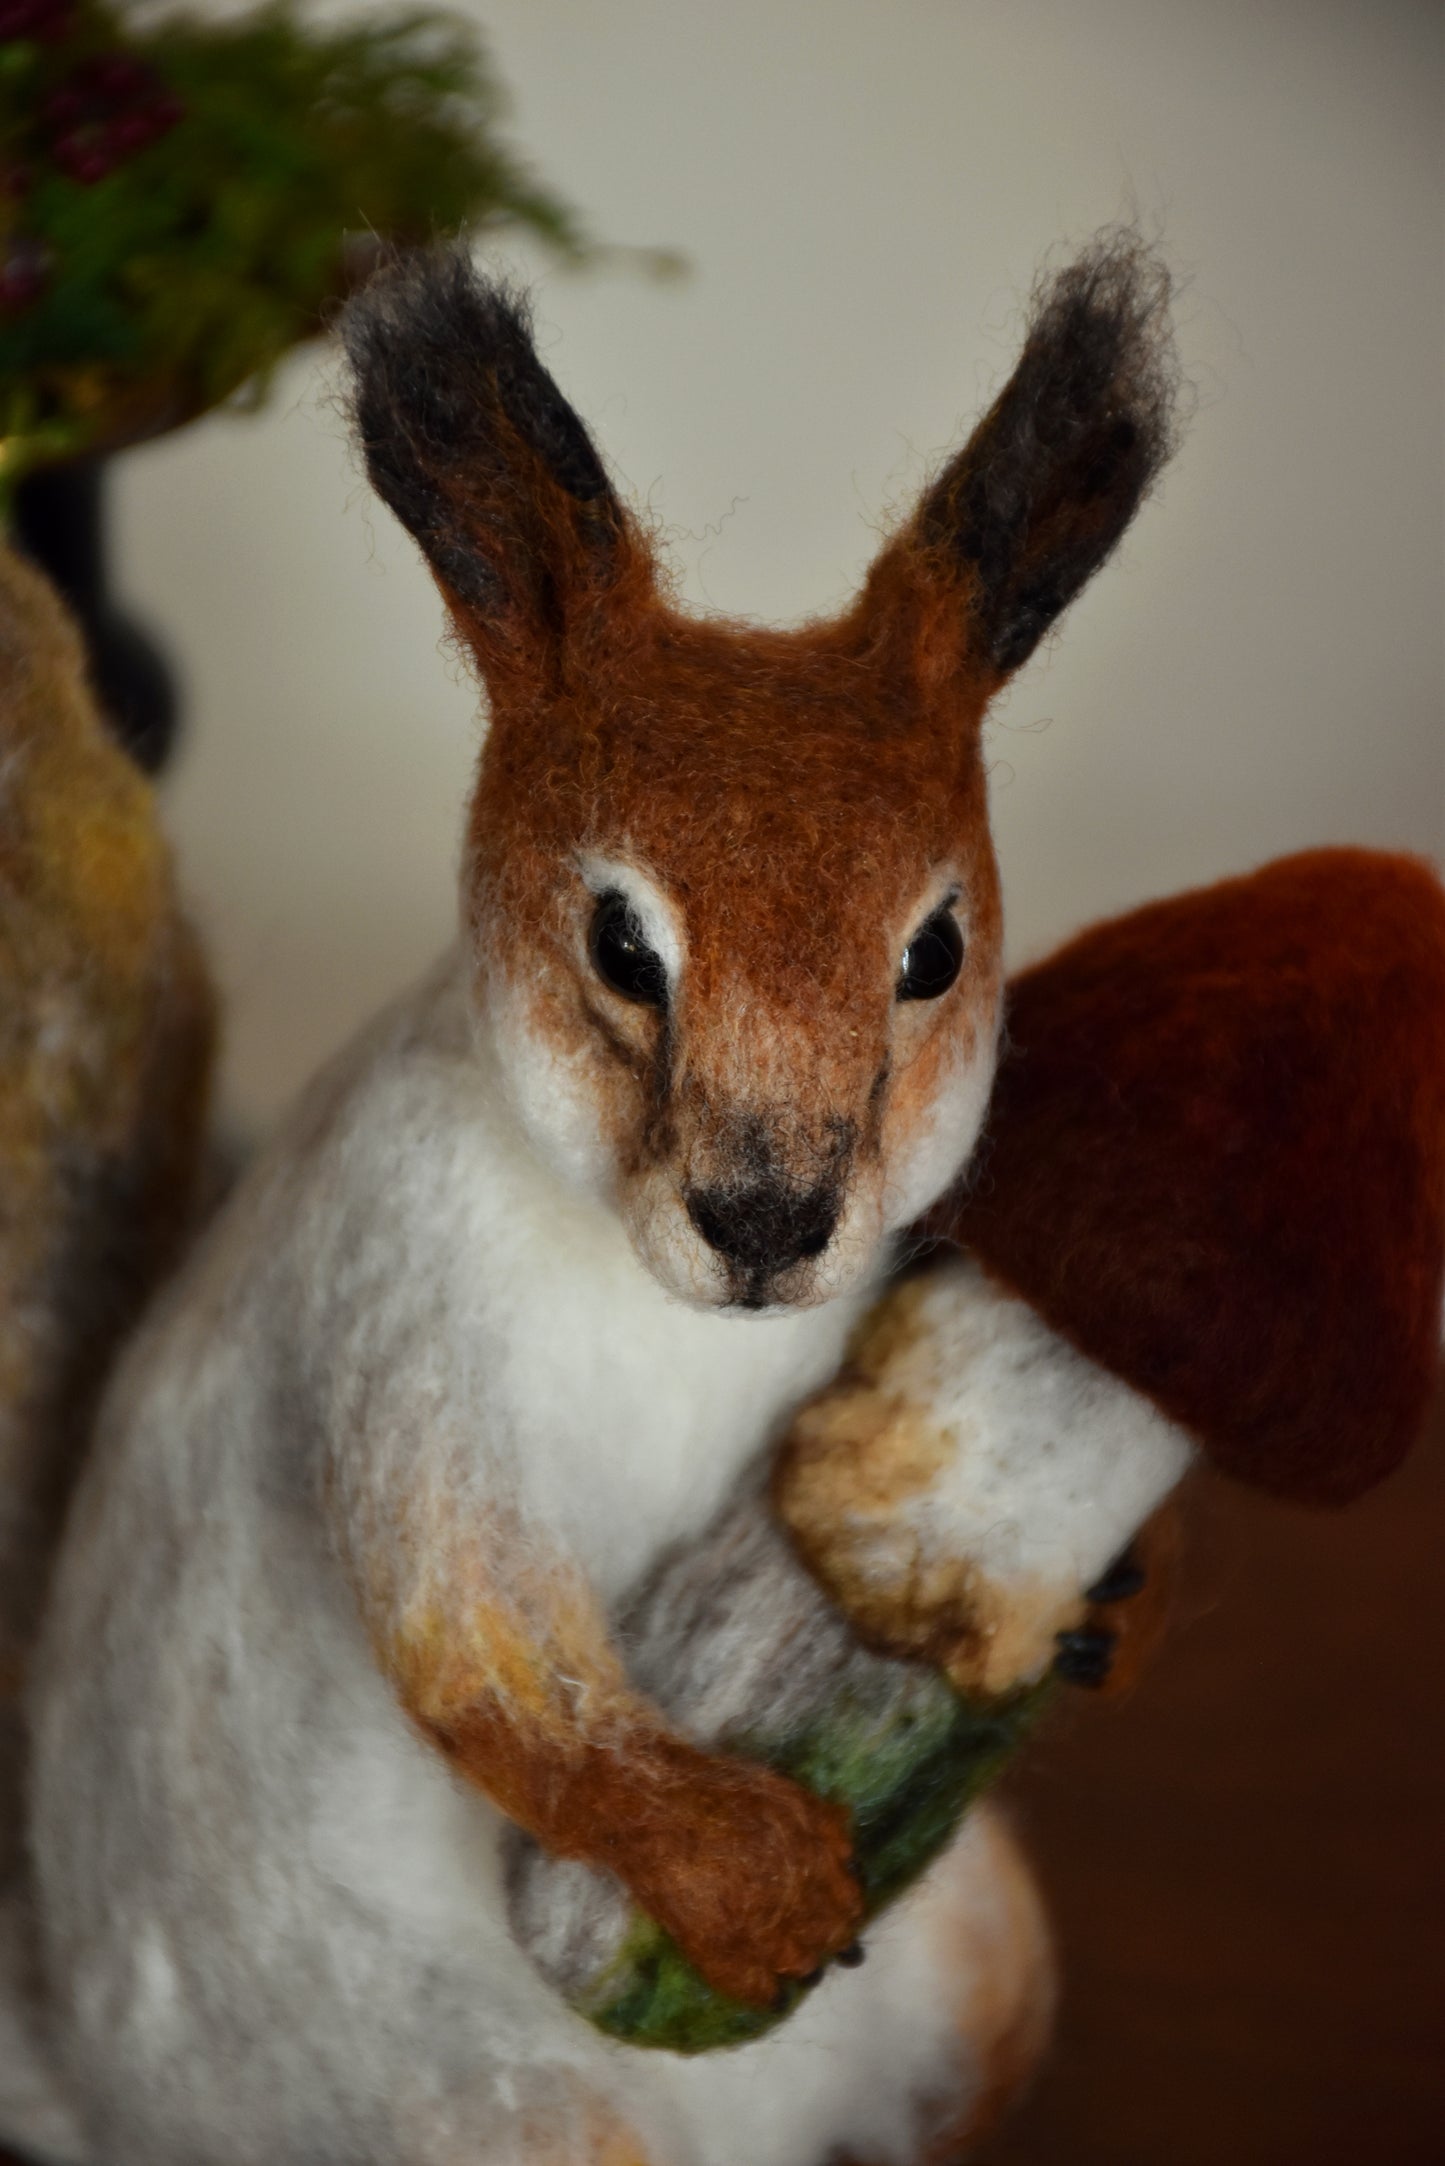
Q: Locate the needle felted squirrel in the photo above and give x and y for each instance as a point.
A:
(369, 1567)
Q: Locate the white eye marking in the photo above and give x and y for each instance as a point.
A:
(657, 916)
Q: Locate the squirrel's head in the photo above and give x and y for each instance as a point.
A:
(731, 891)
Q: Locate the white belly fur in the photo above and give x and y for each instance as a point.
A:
(272, 1915)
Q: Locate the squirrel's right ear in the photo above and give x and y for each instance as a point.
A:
(475, 449)
(1024, 515)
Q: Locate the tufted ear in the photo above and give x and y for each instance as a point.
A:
(472, 445)
(1030, 508)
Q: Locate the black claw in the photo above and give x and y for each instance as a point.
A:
(850, 1957)
(783, 1998)
(1085, 1656)
(1123, 1578)
(811, 1977)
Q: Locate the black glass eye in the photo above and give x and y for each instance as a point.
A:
(621, 956)
(932, 958)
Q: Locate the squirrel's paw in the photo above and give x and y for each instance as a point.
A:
(751, 1875)
(967, 1478)
(752, 1878)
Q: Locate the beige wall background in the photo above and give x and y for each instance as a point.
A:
(865, 189)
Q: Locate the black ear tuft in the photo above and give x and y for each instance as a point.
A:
(467, 437)
(1059, 465)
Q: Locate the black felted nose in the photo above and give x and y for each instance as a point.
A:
(766, 1228)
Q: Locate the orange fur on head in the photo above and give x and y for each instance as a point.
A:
(777, 813)
(753, 780)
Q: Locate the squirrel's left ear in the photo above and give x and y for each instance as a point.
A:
(1030, 508)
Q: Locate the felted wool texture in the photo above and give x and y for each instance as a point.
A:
(735, 1642)
(486, 1623)
(1056, 470)
(956, 1490)
(1215, 1160)
(458, 1363)
(799, 801)
(702, 1641)
(399, 1288)
(968, 1476)
(736, 1645)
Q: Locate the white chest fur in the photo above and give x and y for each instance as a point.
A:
(486, 1292)
(632, 1415)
